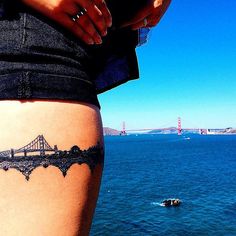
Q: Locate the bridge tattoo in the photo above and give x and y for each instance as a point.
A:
(25, 160)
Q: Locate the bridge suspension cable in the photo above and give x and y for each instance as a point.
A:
(39, 144)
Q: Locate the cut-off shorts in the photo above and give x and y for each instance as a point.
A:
(41, 60)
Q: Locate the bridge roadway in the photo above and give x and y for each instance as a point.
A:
(165, 129)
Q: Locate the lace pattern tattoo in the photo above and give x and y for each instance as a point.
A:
(25, 160)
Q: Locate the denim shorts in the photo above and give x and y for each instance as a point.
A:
(41, 60)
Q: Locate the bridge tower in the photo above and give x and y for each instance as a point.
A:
(12, 152)
(123, 132)
(41, 145)
(179, 126)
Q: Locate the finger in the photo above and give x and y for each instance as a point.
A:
(71, 8)
(72, 26)
(153, 7)
(140, 24)
(136, 19)
(95, 15)
(85, 23)
(158, 3)
(166, 5)
(101, 4)
(155, 18)
(153, 22)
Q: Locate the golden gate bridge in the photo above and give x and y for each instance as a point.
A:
(39, 144)
(178, 129)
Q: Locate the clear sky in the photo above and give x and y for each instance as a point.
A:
(187, 69)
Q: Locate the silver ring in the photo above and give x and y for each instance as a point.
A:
(145, 22)
(79, 14)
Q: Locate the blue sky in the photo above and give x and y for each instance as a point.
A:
(187, 69)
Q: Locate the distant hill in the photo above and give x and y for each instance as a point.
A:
(230, 131)
(110, 131)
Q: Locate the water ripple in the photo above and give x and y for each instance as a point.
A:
(140, 172)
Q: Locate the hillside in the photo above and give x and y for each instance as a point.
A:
(110, 131)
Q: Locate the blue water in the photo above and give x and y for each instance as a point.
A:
(141, 171)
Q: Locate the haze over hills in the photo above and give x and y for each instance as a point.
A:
(171, 130)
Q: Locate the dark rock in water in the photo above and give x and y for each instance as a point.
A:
(171, 202)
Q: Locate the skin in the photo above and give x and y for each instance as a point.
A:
(49, 204)
(94, 24)
(153, 12)
(89, 27)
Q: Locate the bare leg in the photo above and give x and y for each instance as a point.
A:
(49, 203)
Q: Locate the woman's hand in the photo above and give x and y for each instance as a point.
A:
(89, 27)
(150, 15)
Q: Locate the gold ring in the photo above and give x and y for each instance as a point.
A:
(145, 22)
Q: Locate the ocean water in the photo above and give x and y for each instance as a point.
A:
(141, 171)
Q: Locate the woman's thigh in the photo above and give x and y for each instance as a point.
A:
(49, 203)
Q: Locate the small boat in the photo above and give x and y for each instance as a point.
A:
(171, 202)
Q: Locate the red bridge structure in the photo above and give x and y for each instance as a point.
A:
(178, 129)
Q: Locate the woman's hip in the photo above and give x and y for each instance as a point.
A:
(51, 164)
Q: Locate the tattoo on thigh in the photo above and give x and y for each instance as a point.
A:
(40, 153)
